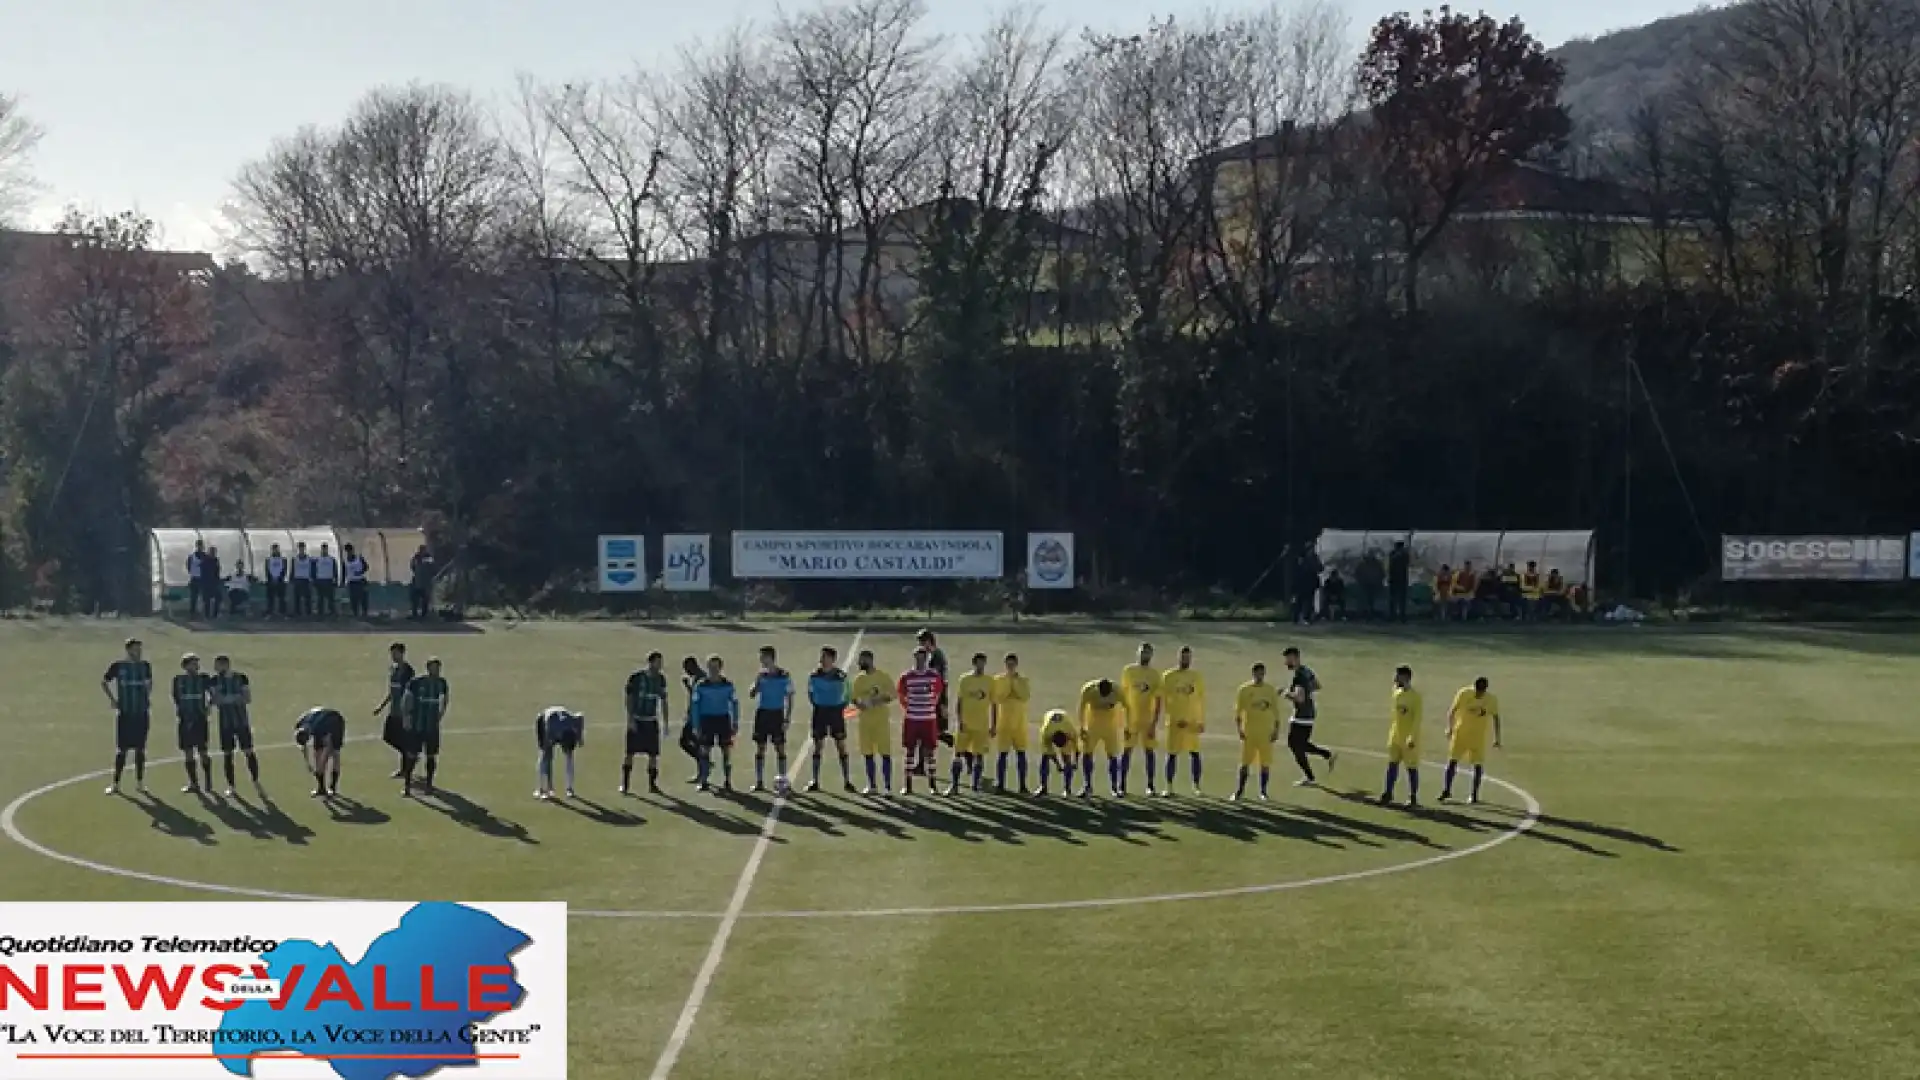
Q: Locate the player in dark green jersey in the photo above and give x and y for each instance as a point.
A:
(128, 685)
(646, 717)
(394, 732)
(232, 695)
(425, 705)
(190, 708)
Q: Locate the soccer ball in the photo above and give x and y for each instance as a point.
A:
(780, 785)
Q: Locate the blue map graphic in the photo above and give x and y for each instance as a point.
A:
(448, 939)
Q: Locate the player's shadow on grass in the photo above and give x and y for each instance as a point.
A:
(600, 815)
(276, 822)
(1609, 832)
(468, 814)
(937, 813)
(794, 813)
(176, 823)
(235, 817)
(839, 809)
(343, 810)
(700, 815)
(1247, 822)
(1392, 833)
(1447, 814)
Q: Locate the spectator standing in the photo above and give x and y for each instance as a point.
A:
(211, 583)
(276, 582)
(356, 569)
(302, 580)
(1370, 575)
(194, 558)
(239, 590)
(326, 581)
(1399, 564)
(1306, 586)
(420, 587)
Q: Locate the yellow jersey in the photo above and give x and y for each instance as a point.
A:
(1140, 686)
(1056, 728)
(1010, 695)
(1183, 696)
(871, 692)
(1408, 710)
(974, 701)
(1470, 711)
(1257, 707)
(1097, 710)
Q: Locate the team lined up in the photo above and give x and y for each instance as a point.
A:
(977, 715)
(982, 713)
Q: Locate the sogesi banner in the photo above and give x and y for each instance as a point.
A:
(1813, 558)
(350, 991)
(876, 556)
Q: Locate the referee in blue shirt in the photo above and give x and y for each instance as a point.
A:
(827, 693)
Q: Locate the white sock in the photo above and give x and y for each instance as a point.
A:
(569, 772)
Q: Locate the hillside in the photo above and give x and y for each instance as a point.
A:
(1607, 76)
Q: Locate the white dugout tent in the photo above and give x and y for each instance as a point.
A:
(389, 553)
(1571, 552)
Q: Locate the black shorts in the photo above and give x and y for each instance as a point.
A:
(394, 731)
(130, 731)
(643, 736)
(769, 726)
(423, 739)
(193, 731)
(331, 734)
(236, 733)
(829, 722)
(716, 731)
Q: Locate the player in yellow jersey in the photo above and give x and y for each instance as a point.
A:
(1140, 686)
(1256, 711)
(973, 701)
(1474, 709)
(1183, 697)
(1103, 716)
(872, 694)
(1011, 692)
(1059, 749)
(1403, 737)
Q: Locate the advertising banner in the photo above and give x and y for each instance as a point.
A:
(1813, 558)
(1050, 560)
(687, 562)
(872, 556)
(341, 990)
(623, 564)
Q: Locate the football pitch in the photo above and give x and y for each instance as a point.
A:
(1722, 878)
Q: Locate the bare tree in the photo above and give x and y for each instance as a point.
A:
(859, 77)
(18, 137)
(1268, 198)
(725, 121)
(1152, 106)
(388, 220)
(616, 135)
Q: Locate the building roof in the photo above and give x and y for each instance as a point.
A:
(1537, 191)
(25, 246)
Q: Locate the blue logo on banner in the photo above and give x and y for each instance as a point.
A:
(446, 969)
(620, 549)
(621, 556)
(685, 565)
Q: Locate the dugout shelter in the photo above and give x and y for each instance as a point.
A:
(1569, 551)
(389, 555)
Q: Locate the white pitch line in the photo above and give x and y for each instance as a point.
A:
(702, 982)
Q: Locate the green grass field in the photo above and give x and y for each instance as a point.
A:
(1723, 880)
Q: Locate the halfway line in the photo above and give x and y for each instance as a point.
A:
(690, 1012)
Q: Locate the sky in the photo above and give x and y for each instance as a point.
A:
(154, 105)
